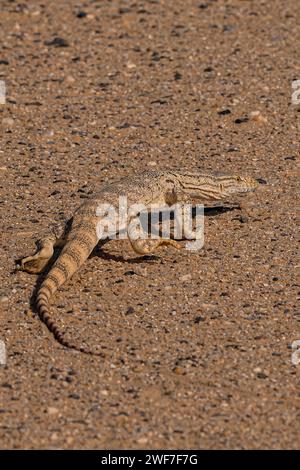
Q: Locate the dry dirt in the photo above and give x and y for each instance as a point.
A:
(198, 345)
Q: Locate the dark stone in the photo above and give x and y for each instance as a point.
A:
(223, 112)
(81, 14)
(155, 56)
(129, 311)
(57, 42)
(198, 319)
(241, 120)
(124, 10)
(261, 181)
(262, 375)
(124, 126)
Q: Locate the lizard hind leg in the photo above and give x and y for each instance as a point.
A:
(36, 263)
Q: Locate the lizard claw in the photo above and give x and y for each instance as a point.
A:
(18, 266)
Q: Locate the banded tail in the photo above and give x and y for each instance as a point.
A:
(74, 254)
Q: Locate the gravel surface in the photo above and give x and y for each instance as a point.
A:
(198, 345)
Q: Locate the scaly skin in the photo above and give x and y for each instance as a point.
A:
(80, 237)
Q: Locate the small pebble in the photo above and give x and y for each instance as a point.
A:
(258, 117)
(262, 375)
(70, 79)
(8, 122)
(223, 112)
(241, 120)
(57, 42)
(142, 440)
(199, 319)
(51, 410)
(186, 277)
(178, 370)
(47, 133)
(243, 219)
(130, 310)
(81, 14)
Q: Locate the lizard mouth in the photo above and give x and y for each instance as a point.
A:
(261, 181)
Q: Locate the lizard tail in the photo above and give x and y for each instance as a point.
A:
(74, 254)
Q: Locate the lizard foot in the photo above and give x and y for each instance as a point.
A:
(36, 264)
(147, 247)
(32, 264)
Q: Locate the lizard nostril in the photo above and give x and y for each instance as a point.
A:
(261, 181)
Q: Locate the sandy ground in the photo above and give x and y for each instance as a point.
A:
(198, 345)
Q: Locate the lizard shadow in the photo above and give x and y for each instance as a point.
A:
(106, 255)
(99, 253)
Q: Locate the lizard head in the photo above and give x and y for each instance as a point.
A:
(244, 184)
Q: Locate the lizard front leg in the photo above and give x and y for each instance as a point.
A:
(148, 247)
(183, 228)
